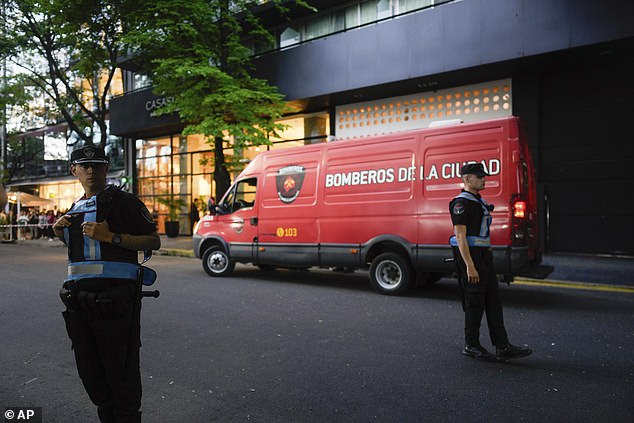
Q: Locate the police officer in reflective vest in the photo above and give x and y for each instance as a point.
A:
(471, 217)
(104, 230)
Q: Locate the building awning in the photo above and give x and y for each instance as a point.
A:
(27, 200)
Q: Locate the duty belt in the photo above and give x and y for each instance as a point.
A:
(472, 241)
(110, 270)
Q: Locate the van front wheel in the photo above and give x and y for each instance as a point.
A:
(216, 261)
(391, 274)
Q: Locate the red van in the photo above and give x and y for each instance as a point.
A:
(379, 203)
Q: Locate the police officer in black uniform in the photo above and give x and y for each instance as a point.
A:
(104, 230)
(471, 217)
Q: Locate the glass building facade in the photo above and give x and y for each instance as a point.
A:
(181, 167)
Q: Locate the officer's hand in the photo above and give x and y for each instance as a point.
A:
(97, 230)
(60, 224)
(473, 275)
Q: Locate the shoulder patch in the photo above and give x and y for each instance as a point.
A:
(458, 208)
(146, 215)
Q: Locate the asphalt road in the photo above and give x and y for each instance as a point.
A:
(322, 347)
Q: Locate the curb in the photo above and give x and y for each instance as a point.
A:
(175, 252)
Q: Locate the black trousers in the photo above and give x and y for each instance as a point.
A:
(480, 298)
(105, 338)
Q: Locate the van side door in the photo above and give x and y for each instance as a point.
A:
(238, 220)
(288, 232)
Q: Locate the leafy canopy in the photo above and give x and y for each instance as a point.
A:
(68, 50)
(196, 51)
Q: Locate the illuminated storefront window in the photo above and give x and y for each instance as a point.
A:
(61, 194)
(182, 167)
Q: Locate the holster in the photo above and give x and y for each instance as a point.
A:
(69, 299)
(108, 304)
(461, 276)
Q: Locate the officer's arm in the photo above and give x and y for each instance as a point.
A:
(461, 238)
(101, 232)
(60, 224)
(140, 242)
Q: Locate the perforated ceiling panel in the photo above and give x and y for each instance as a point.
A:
(467, 103)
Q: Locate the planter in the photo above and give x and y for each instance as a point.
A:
(172, 229)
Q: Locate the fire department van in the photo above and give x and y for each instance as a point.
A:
(379, 203)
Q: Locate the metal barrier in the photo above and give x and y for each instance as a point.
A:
(24, 232)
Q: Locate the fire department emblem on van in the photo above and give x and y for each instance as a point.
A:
(289, 182)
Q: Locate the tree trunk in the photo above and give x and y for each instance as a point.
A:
(221, 175)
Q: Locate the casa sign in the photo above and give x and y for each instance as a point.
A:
(157, 103)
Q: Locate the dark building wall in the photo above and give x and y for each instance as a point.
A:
(587, 147)
(450, 37)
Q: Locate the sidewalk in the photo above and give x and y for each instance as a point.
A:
(180, 246)
(591, 269)
(568, 267)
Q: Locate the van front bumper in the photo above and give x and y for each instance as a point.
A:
(196, 240)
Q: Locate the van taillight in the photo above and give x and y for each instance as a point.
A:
(518, 220)
(519, 209)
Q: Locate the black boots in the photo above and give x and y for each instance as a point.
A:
(508, 352)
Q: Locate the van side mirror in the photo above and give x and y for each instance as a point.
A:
(220, 209)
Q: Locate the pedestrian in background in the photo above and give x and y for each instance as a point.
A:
(104, 230)
(42, 221)
(5, 229)
(33, 220)
(22, 222)
(471, 245)
(50, 220)
(194, 215)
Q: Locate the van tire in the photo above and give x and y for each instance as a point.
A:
(217, 262)
(391, 274)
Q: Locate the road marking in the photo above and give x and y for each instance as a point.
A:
(575, 285)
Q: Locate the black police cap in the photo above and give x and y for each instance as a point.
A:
(473, 169)
(88, 154)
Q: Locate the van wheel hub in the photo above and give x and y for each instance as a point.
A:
(218, 262)
(388, 274)
(391, 273)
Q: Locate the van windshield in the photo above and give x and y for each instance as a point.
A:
(241, 196)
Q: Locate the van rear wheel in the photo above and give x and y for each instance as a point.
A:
(216, 261)
(391, 274)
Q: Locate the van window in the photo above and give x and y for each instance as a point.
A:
(241, 196)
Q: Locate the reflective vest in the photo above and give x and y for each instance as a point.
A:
(93, 265)
(483, 238)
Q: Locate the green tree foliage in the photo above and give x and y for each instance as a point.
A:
(54, 45)
(195, 50)
(14, 94)
(21, 153)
